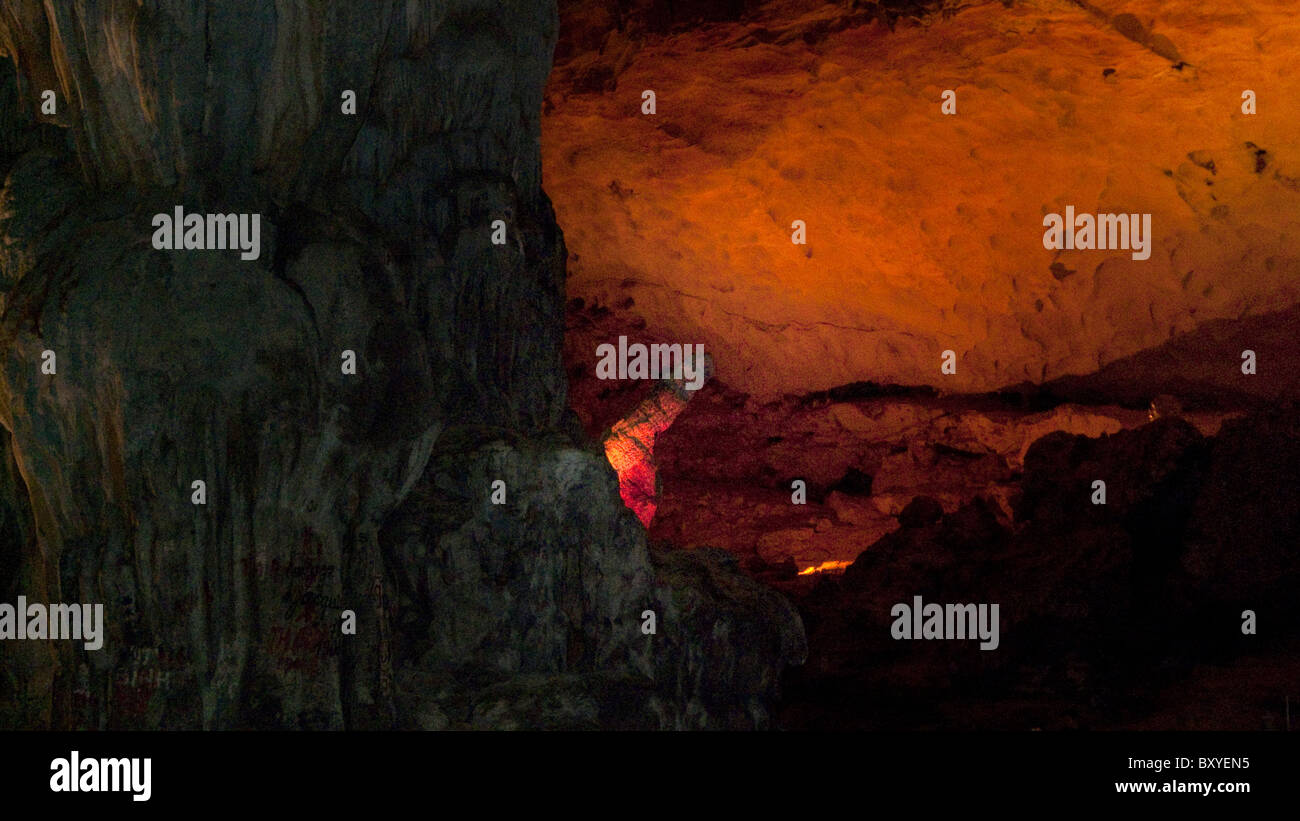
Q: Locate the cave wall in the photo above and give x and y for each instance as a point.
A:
(173, 367)
(924, 230)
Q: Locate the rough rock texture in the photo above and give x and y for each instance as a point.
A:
(864, 452)
(924, 231)
(526, 614)
(1102, 607)
(174, 367)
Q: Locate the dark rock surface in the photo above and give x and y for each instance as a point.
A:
(325, 491)
(920, 512)
(1102, 607)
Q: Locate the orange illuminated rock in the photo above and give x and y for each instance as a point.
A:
(924, 231)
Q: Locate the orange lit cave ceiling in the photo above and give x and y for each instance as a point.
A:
(924, 231)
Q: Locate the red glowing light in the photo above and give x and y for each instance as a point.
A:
(630, 444)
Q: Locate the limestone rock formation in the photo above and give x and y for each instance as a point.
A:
(324, 490)
(924, 230)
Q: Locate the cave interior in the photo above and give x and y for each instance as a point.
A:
(629, 364)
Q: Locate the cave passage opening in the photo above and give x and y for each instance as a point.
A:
(848, 214)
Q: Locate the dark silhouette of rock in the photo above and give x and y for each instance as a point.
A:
(1101, 605)
(1241, 534)
(920, 512)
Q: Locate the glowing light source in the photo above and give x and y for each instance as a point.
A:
(825, 567)
(630, 443)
